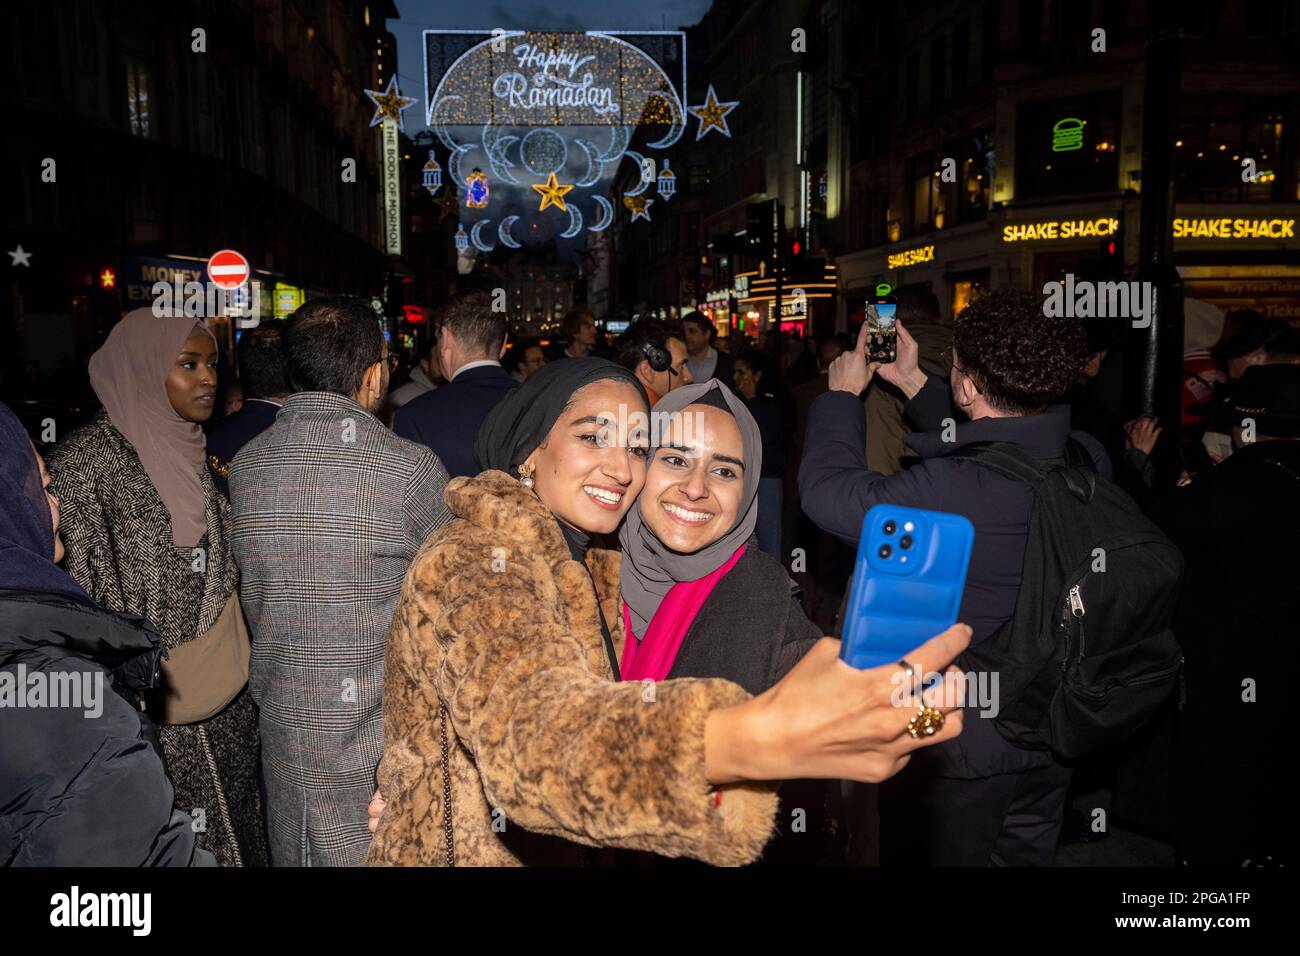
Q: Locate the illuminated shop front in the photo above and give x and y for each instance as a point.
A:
(806, 307)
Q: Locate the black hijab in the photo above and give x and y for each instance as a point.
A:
(26, 531)
(522, 420)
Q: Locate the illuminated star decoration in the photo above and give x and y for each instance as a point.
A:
(552, 193)
(389, 104)
(446, 204)
(639, 206)
(20, 257)
(712, 115)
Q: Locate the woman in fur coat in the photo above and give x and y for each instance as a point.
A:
(145, 532)
(508, 738)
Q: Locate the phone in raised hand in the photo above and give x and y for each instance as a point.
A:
(882, 330)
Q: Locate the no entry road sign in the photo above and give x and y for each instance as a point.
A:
(228, 269)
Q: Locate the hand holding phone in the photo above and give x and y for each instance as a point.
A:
(882, 334)
(907, 582)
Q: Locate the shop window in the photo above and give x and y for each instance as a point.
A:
(139, 99)
(911, 84)
(938, 69)
(966, 289)
(1214, 135)
(971, 195)
(1068, 146)
(929, 202)
(990, 37)
(960, 56)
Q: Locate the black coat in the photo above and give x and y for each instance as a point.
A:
(1237, 525)
(228, 437)
(80, 788)
(751, 630)
(448, 419)
(837, 489)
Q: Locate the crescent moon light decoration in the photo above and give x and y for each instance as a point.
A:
(606, 217)
(495, 146)
(575, 222)
(642, 184)
(475, 238)
(503, 233)
(595, 168)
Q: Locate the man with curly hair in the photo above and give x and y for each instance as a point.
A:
(977, 799)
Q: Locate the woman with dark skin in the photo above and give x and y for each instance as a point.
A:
(146, 533)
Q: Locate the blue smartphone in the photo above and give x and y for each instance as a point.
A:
(907, 582)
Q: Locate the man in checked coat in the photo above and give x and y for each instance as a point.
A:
(328, 507)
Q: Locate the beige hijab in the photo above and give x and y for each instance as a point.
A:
(129, 375)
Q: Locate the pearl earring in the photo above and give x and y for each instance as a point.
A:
(526, 475)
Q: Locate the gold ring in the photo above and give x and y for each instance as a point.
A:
(927, 722)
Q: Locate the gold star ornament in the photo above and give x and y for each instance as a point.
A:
(712, 115)
(552, 193)
(389, 104)
(638, 206)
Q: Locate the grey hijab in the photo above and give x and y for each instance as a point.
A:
(650, 568)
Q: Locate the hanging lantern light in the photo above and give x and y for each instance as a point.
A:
(461, 240)
(432, 175)
(667, 182)
(476, 189)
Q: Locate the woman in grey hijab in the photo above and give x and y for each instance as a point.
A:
(699, 598)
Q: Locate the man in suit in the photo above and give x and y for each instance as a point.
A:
(328, 507)
(471, 342)
(705, 361)
(261, 372)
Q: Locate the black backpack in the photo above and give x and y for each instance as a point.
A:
(1088, 655)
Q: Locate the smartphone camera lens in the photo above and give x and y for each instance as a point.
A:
(885, 551)
(890, 527)
(905, 541)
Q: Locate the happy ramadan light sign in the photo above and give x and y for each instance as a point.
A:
(554, 79)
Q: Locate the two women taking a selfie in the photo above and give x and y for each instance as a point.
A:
(509, 737)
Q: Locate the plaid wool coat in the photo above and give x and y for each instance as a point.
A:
(328, 507)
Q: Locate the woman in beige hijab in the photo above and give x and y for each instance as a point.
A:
(146, 531)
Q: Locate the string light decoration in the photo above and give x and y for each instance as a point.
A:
(461, 239)
(476, 189)
(554, 113)
(432, 175)
(552, 193)
(638, 206)
(390, 104)
(667, 182)
(712, 114)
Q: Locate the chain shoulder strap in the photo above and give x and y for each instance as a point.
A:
(446, 784)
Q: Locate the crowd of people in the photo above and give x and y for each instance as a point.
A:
(476, 619)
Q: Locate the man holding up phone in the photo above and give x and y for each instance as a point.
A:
(976, 800)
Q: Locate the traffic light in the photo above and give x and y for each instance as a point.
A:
(1111, 255)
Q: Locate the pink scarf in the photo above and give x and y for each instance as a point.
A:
(652, 657)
